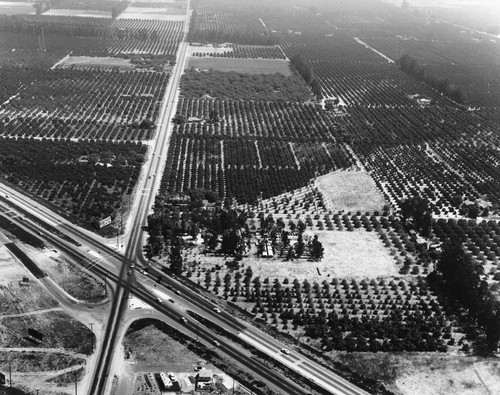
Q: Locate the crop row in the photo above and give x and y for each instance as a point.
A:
(247, 52)
(242, 86)
(481, 83)
(406, 312)
(480, 238)
(370, 84)
(86, 179)
(246, 168)
(114, 36)
(65, 102)
(296, 121)
(145, 36)
(427, 171)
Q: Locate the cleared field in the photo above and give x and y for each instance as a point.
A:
(357, 254)
(14, 7)
(160, 14)
(79, 13)
(91, 61)
(149, 345)
(351, 191)
(251, 66)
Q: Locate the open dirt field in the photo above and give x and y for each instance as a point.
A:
(252, 66)
(15, 298)
(452, 376)
(11, 272)
(95, 61)
(150, 345)
(160, 14)
(15, 7)
(70, 276)
(79, 13)
(351, 191)
(428, 373)
(357, 254)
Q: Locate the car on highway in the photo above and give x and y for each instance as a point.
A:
(159, 300)
(183, 319)
(129, 272)
(216, 343)
(142, 271)
(171, 300)
(217, 310)
(285, 351)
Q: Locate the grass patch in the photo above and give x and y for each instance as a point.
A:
(351, 191)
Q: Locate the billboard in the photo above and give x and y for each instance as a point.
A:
(104, 222)
(34, 333)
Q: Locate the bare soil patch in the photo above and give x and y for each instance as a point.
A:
(15, 298)
(252, 66)
(160, 14)
(150, 345)
(428, 373)
(351, 191)
(30, 361)
(70, 276)
(356, 254)
(91, 61)
(79, 13)
(59, 331)
(16, 7)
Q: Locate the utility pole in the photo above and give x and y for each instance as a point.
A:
(92, 336)
(76, 383)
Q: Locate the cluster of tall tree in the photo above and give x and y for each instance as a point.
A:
(169, 221)
(306, 71)
(459, 276)
(418, 210)
(411, 66)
